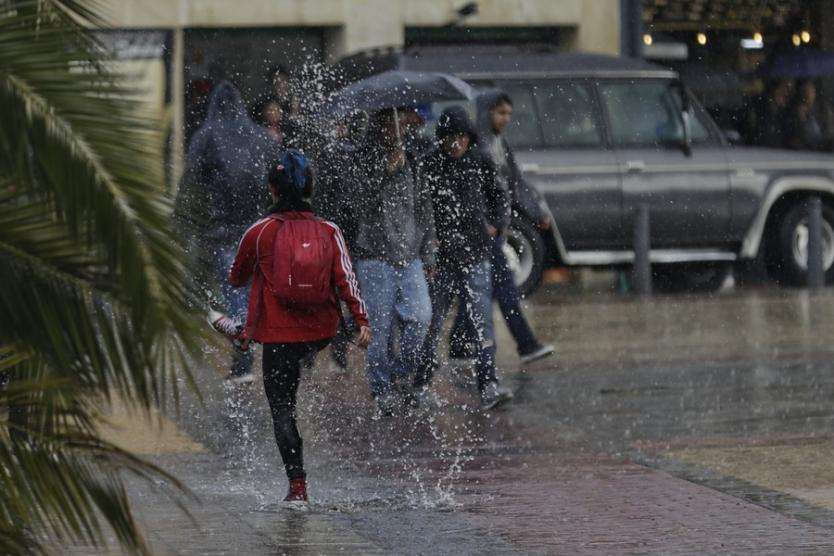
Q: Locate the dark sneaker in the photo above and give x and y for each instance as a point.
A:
(427, 400)
(494, 395)
(297, 493)
(539, 352)
(339, 359)
(386, 405)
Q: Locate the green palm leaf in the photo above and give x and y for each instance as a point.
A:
(97, 296)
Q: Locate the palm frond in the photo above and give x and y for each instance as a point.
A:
(62, 478)
(97, 295)
(74, 144)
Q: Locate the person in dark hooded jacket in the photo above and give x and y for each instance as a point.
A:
(222, 191)
(469, 210)
(494, 114)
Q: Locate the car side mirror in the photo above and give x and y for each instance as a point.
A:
(686, 142)
(686, 117)
(733, 136)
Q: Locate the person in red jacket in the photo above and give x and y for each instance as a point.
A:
(291, 333)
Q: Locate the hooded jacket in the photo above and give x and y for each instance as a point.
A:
(521, 193)
(224, 184)
(465, 196)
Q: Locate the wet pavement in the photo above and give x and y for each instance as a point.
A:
(683, 424)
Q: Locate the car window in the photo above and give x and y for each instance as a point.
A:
(524, 130)
(647, 113)
(568, 117)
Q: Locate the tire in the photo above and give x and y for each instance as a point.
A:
(689, 277)
(787, 248)
(525, 254)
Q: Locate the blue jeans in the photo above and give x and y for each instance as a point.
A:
(504, 291)
(236, 303)
(391, 294)
(473, 285)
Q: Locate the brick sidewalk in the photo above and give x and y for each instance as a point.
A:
(544, 504)
(541, 504)
(524, 486)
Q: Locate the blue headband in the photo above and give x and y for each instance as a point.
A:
(295, 168)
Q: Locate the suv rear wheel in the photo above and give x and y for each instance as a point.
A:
(788, 247)
(524, 250)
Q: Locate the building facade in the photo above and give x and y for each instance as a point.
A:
(179, 47)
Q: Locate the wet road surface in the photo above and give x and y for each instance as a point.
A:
(671, 425)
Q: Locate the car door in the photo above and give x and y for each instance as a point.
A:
(559, 142)
(687, 193)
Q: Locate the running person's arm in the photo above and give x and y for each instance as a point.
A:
(243, 266)
(345, 280)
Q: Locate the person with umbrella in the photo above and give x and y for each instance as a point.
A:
(395, 240)
(394, 248)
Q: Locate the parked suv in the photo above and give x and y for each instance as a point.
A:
(600, 136)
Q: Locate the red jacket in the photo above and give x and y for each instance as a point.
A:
(270, 322)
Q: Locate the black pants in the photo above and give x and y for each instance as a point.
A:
(282, 369)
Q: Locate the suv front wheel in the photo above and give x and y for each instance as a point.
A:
(525, 253)
(788, 249)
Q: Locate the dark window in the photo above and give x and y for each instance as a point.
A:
(524, 130)
(568, 117)
(647, 113)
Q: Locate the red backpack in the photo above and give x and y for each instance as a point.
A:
(302, 263)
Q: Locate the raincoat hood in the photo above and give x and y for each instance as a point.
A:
(225, 104)
(226, 167)
(455, 121)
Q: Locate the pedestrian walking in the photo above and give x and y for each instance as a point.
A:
(394, 249)
(495, 111)
(336, 197)
(270, 116)
(223, 188)
(297, 264)
(469, 210)
(805, 129)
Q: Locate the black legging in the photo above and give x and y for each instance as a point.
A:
(282, 367)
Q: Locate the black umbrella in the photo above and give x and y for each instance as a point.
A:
(398, 88)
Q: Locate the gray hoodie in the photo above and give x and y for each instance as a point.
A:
(496, 147)
(395, 222)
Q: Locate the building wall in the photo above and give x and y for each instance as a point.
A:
(350, 26)
(361, 24)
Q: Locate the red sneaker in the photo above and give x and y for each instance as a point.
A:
(297, 492)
